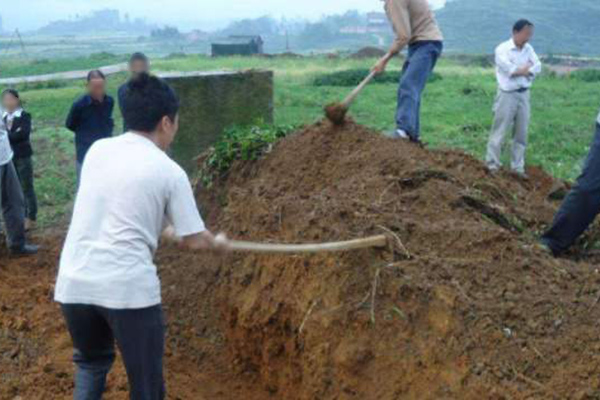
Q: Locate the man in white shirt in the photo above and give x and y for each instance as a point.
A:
(581, 206)
(107, 283)
(517, 66)
(12, 199)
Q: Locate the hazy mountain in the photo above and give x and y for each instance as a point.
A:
(563, 26)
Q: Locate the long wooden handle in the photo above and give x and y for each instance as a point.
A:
(358, 89)
(373, 241)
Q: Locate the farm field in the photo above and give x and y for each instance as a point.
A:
(460, 305)
(456, 111)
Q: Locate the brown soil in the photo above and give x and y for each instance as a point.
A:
(460, 307)
(368, 52)
(336, 113)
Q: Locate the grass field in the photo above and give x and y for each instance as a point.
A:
(456, 111)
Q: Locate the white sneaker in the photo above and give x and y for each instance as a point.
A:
(400, 134)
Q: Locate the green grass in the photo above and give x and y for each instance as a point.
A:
(456, 112)
(14, 67)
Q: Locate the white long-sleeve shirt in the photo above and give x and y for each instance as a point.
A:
(509, 58)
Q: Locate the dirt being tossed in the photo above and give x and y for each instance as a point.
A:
(461, 306)
(336, 113)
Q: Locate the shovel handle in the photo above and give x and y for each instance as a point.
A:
(352, 96)
(373, 241)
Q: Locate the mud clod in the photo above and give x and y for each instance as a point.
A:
(336, 113)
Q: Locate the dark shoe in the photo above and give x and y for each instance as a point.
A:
(521, 175)
(418, 142)
(25, 250)
(493, 171)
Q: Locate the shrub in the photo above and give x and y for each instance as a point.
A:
(240, 143)
(353, 77)
(53, 84)
(587, 75)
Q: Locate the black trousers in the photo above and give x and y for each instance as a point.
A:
(13, 206)
(140, 336)
(580, 207)
(24, 167)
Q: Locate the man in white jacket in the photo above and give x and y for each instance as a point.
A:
(517, 66)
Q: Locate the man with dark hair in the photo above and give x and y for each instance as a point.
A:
(580, 207)
(416, 27)
(107, 283)
(90, 117)
(517, 66)
(138, 64)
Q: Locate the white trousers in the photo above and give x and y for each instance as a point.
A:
(512, 110)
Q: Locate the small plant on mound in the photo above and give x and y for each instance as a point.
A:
(353, 77)
(240, 143)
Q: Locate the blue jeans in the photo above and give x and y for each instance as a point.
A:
(581, 205)
(422, 57)
(140, 336)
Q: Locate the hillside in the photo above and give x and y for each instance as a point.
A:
(563, 26)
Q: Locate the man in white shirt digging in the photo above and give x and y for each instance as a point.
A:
(517, 66)
(107, 283)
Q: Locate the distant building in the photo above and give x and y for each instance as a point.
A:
(196, 35)
(356, 30)
(376, 23)
(238, 46)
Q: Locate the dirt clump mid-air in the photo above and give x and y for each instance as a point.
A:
(462, 305)
(336, 113)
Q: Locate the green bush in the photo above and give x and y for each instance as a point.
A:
(240, 143)
(473, 60)
(353, 77)
(52, 84)
(587, 75)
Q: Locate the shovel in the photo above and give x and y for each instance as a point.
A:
(373, 241)
(336, 112)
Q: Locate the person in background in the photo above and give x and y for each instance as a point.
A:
(415, 26)
(18, 124)
(517, 66)
(138, 63)
(580, 207)
(11, 197)
(90, 117)
(107, 282)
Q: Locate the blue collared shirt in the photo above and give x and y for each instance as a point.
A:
(91, 121)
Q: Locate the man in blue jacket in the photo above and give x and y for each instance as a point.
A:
(90, 117)
(580, 207)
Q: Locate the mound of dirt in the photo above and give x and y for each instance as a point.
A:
(368, 52)
(461, 305)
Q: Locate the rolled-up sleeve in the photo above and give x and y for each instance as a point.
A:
(398, 15)
(503, 61)
(536, 67)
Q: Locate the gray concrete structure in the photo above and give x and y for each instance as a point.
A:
(214, 101)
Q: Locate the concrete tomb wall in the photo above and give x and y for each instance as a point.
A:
(214, 101)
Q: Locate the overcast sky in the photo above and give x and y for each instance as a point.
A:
(211, 14)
